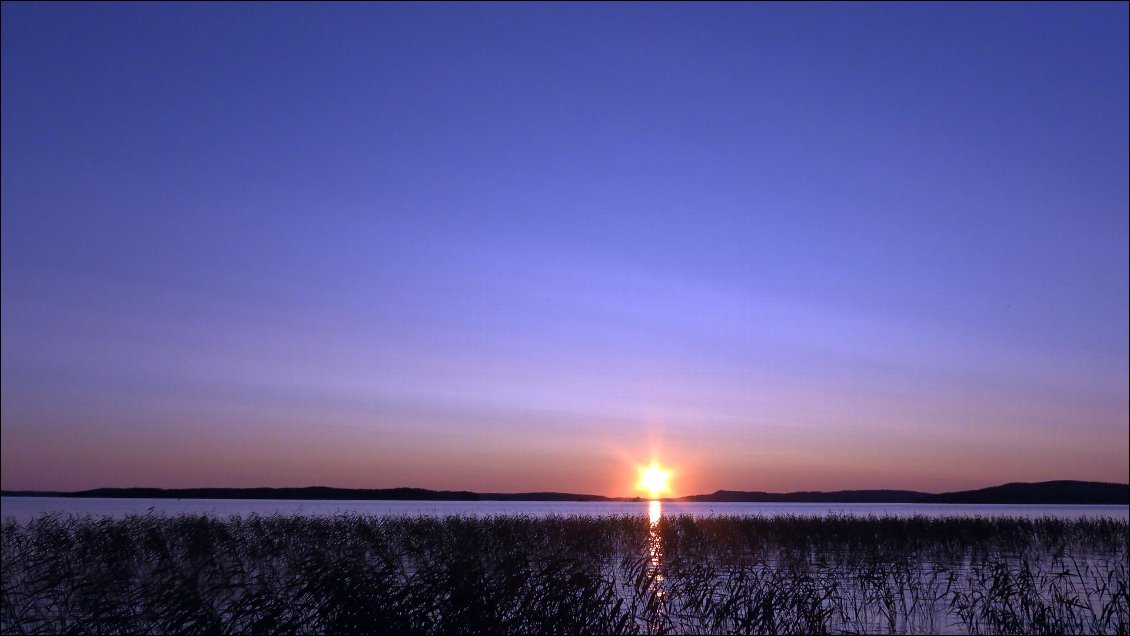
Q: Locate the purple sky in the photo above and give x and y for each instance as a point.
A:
(516, 248)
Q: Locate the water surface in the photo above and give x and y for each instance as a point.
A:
(25, 508)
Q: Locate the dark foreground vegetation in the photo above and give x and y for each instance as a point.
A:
(348, 574)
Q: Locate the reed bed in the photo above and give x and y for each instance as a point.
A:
(514, 574)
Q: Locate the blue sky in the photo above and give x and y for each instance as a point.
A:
(526, 247)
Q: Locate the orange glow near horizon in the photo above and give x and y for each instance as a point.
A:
(654, 480)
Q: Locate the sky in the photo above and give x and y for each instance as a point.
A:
(530, 247)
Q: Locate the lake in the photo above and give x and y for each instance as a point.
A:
(24, 508)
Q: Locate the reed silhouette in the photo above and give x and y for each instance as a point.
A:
(514, 574)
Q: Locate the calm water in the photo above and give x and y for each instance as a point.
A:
(25, 508)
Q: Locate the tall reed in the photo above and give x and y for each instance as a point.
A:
(514, 574)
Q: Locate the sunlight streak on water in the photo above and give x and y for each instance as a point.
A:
(655, 564)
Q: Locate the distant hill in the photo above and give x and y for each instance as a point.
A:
(1048, 492)
(544, 496)
(839, 496)
(309, 493)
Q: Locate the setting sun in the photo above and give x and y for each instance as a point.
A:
(654, 480)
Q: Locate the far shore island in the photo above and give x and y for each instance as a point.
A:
(1064, 492)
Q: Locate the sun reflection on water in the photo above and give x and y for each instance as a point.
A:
(655, 557)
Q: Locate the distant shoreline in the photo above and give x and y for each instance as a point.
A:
(1041, 493)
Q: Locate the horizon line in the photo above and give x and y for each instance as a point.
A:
(19, 491)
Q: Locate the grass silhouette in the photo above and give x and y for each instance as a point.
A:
(516, 574)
